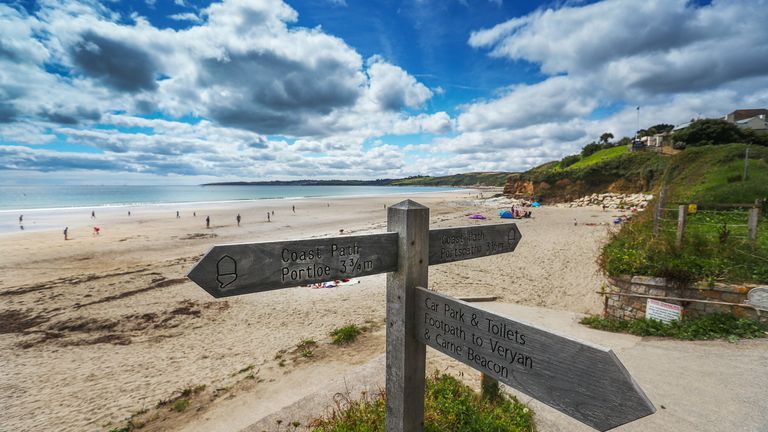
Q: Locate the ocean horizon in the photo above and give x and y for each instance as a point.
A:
(16, 198)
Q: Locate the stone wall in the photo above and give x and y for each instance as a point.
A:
(627, 307)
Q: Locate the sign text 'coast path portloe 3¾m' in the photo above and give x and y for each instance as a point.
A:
(584, 381)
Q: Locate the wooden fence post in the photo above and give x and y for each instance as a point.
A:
(754, 215)
(682, 212)
(489, 387)
(406, 356)
(657, 210)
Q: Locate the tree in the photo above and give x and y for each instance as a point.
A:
(710, 131)
(662, 127)
(606, 138)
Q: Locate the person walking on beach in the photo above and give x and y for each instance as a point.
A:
(129, 213)
(66, 230)
(293, 208)
(238, 219)
(21, 219)
(177, 215)
(268, 217)
(194, 214)
(207, 221)
(93, 214)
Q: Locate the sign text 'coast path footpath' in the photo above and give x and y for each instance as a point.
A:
(584, 381)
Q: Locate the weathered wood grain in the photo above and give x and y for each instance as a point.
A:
(456, 244)
(584, 381)
(406, 356)
(235, 269)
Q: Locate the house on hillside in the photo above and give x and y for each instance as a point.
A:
(754, 119)
(657, 140)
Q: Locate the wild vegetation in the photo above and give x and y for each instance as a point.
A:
(716, 132)
(715, 247)
(345, 335)
(449, 406)
(715, 326)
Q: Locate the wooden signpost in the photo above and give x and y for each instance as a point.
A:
(586, 382)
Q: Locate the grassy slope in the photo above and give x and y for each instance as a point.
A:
(702, 174)
(468, 179)
(600, 157)
(706, 175)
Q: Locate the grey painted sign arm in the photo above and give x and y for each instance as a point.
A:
(585, 381)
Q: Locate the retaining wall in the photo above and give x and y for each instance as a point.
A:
(628, 307)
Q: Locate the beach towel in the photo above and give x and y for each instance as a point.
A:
(477, 216)
(334, 283)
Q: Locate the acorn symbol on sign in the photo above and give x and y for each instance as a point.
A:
(226, 271)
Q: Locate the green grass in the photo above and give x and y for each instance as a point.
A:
(345, 335)
(712, 174)
(704, 254)
(181, 405)
(714, 247)
(449, 406)
(599, 157)
(715, 326)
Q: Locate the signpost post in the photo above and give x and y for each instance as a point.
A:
(584, 381)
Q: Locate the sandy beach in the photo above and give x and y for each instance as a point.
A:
(98, 327)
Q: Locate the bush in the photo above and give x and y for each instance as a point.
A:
(449, 405)
(345, 335)
(590, 149)
(569, 160)
(713, 131)
(715, 326)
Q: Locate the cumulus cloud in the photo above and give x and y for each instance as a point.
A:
(393, 88)
(653, 47)
(243, 91)
(557, 98)
(115, 63)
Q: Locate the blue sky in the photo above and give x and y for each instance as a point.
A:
(182, 91)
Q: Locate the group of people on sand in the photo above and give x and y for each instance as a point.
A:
(518, 213)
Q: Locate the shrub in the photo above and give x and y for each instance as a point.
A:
(449, 405)
(569, 160)
(714, 326)
(345, 335)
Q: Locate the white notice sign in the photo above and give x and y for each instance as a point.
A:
(662, 311)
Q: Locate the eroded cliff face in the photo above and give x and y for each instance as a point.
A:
(565, 190)
(519, 188)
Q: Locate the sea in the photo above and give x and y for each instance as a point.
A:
(50, 197)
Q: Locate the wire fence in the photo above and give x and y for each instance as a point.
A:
(715, 224)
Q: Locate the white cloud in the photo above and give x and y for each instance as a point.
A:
(393, 88)
(187, 16)
(245, 71)
(557, 98)
(649, 46)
